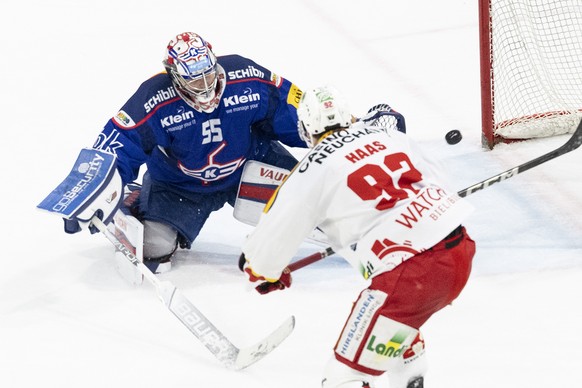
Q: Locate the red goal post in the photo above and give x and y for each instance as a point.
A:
(531, 68)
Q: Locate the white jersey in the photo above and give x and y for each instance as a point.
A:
(371, 191)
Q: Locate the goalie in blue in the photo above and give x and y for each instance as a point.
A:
(194, 126)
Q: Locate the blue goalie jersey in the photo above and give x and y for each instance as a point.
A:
(203, 152)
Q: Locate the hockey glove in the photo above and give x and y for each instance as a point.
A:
(92, 188)
(382, 115)
(268, 285)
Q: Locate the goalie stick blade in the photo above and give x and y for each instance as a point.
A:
(217, 343)
(202, 328)
(250, 355)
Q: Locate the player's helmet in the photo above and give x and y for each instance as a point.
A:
(195, 73)
(320, 110)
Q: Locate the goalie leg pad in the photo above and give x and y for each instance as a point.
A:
(129, 231)
(160, 243)
(159, 239)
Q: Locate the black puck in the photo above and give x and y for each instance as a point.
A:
(453, 137)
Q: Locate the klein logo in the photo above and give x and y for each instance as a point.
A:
(181, 116)
(247, 97)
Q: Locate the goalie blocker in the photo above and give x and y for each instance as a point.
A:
(93, 187)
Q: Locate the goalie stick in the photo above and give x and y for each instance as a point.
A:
(573, 143)
(217, 343)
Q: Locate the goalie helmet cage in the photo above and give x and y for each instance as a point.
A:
(531, 68)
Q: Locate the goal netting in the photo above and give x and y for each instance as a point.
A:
(531, 68)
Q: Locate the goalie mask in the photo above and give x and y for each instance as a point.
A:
(320, 110)
(194, 70)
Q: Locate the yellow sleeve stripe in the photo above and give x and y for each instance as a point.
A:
(271, 200)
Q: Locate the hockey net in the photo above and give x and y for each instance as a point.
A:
(531, 68)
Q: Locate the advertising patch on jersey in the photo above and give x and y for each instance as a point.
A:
(245, 101)
(294, 96)
(213, 170)
(361, 318)
(182, 118)
(415, 226)
(415, 350)
(276, 80)
(388, 340)
(248, 72)
(159, 97)
(123, 119)
(386, 255)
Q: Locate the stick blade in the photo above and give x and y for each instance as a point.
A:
(250, 355)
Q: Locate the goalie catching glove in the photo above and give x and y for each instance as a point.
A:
(382, 115)
(92, 188)
(268, 285)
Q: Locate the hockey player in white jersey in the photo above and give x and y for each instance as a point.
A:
(388, 211)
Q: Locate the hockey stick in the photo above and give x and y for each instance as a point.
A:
(225, 351)
(304, 262)
(573, 143)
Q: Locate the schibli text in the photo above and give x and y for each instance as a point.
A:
(161, 96)
(249, 72)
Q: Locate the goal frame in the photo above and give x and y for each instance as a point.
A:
(488, 85)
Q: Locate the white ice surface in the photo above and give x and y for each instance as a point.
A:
(68, 320)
